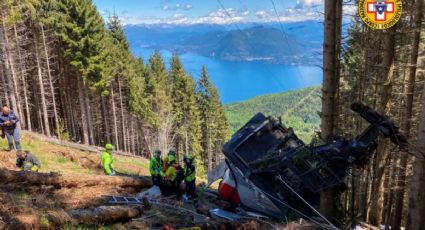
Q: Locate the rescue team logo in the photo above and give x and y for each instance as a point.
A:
(380, 14)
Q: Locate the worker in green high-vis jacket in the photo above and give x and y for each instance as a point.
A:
(155, 168)
(107, 160)
(190, 176)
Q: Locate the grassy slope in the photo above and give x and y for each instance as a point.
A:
(55, 158)
(298, 109)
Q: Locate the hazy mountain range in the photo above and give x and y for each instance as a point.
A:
(290, 43)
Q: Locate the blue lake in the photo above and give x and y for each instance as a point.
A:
(239, 81)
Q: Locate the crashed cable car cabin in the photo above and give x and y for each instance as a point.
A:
(269, 170)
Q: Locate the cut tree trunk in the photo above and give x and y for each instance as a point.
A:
(71, 180)
(99, 215)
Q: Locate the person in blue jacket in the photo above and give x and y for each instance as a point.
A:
(8, 124)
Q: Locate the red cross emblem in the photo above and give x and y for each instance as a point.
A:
(380, 9)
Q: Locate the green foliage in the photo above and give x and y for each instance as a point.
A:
(298, 109)
(215, 129)
(82, 32)
(157, 89)
(62, 160)
(63, 134)
(44, 221)
(165, 103)
(185, 111)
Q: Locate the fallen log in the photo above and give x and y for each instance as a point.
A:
(98, 215)
(72, 180)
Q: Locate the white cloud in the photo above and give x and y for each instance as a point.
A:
(134, 20)
(178, 19)
(221, 16)
(289, 15)
(177, 7)
(303, 10)
(312, 2)
(262, 14)
(245, 12)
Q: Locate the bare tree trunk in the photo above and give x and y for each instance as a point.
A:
(3, 84)
(415, 218)
(88, 113)
(406, 124)
(208, 145)
(106, 125)
(83, 111)
(52, 90)
(114, 114)
(21, 64)
(333, 10)
(42, 91)
(4, 70)
(124, 136)
(186, 136)
(69, 105)
(65, 104)
(386, 76)
(133, 136)
(9, 66)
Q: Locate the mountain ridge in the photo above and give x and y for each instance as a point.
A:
(291, 43)
(297, 108)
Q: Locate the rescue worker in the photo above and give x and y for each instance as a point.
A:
(27, 161)
(172, 152)
(156, 168)
(190, 176)
(8, 124)
(107, 161)
(173, 177)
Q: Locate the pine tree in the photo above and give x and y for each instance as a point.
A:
(185, 111)
(215, 127)
(157, 94)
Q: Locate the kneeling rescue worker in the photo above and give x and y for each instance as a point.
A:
(190, 176)
(27, 161)
(107, 161)
(156, 168)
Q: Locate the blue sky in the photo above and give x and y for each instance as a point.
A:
(210, 11)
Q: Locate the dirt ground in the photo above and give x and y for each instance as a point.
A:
(25, 206)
